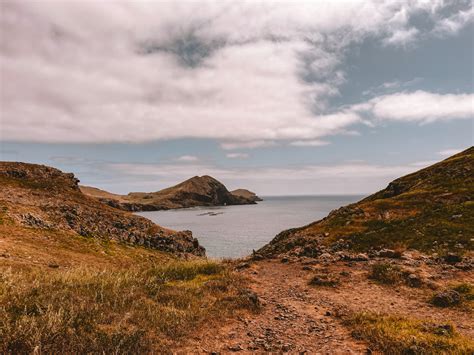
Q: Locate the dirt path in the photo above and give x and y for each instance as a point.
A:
(294, 318)
(299, 318)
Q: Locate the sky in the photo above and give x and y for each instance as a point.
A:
(282, 98)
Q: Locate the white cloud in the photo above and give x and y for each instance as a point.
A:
(187, 158)
(309, 143)
(240, 72)
(417, 106)
(246, 144)
(449, 152)
(422, 106)
(237, 155)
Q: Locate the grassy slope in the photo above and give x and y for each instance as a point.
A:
(142, 308)
(61, 292)
(65, 291)
(430, 210)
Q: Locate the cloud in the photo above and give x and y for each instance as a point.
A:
(309, 143)
(417, 106)
(247, 144)
(237, 155)
(422, 106)
(187, 158)
(449, 152)
(238, 72)
(454, 23)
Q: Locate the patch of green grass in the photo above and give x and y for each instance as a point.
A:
(399, 335)
(138, 310)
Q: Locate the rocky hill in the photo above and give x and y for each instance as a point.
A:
(431, 210)
(196, 191)
(246, 194)
(36, 197)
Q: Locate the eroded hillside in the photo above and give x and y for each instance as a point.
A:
(42, 198)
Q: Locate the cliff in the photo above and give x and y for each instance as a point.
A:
(37, 197)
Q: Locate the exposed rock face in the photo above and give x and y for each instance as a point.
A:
(429, 210)
(249, 195)
(38, 196)
(197, 191)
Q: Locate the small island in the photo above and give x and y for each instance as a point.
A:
(194, 192)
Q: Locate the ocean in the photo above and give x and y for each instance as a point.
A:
(234, 231)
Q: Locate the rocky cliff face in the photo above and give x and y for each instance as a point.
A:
(249, 195)
(38, 196)
(196, 191)
(430, 210)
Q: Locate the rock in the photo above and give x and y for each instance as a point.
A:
(446, 298)
(252, 297)
(326, 257)
(361, 257)
(414, 280)
(452, 258)
(389, 253)
(236, 347)
(243, 266)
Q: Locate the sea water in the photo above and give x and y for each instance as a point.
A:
(234, 231)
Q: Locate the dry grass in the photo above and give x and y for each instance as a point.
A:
(386, 273)
(138, 310)
(398, 335)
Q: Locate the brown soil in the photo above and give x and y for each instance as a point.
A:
(296, 317)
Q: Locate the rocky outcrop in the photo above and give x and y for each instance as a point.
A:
(249, 195)
(197, 191)
(38, 196)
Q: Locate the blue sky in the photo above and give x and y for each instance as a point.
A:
(309, 98)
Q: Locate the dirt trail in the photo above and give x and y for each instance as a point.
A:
(297, 318)
(294, 318)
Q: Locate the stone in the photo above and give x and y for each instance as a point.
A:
(446, 298)
(414, 280)
(452, 258)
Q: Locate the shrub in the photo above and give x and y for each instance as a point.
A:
(386, 273)
(399, 335)
(455, 295)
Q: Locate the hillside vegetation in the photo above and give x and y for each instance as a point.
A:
(45, 199)
(431, 210)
